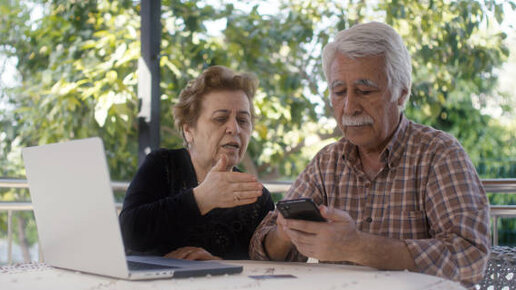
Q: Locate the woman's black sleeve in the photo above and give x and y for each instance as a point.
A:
(154, 215)
(267, 204)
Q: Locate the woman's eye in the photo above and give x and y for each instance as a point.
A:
(243, 121)
(220, 119)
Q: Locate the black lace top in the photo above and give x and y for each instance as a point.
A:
(160, 213)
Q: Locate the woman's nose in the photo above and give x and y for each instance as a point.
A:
(232, 127)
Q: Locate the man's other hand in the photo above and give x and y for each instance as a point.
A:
(333, 240)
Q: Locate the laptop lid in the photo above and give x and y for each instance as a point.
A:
(76, 217)
(74, 207)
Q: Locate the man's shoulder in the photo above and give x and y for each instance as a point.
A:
(331, 152)
(336, 147)
(423, 135)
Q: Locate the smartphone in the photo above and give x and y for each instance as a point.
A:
(300, 209)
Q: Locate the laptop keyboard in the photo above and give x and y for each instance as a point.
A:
(139, 266)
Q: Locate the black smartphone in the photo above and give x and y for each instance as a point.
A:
(300, 209)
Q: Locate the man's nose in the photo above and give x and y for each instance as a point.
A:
(351, 104)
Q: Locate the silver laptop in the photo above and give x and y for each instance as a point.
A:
(77, 221)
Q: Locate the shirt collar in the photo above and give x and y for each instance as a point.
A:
(396, 146)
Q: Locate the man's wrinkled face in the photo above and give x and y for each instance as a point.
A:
(362, 102)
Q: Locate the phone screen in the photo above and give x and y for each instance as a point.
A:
(301, 209)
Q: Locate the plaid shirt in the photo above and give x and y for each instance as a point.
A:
(427, 194)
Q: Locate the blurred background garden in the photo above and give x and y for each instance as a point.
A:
(69, 70)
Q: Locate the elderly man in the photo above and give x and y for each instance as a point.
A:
(396, 194)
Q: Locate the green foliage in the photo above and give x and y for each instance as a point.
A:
(78, 69)
(454, 61)
(78, 65)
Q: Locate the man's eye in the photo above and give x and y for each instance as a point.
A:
(340, 93)
(365, 92)
(220, 119)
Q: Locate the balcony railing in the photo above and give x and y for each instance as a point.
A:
(507, 186)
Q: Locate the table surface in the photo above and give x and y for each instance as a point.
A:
(307, 276)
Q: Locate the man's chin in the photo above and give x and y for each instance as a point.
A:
(356, 139)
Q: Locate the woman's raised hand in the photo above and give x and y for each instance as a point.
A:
(223, 189)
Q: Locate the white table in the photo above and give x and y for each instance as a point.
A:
(308, 276)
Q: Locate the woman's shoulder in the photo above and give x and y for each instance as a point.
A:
(168, 159)
(168, 153)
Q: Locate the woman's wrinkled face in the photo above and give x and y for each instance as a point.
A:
(223, 128)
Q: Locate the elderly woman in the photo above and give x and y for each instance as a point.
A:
(194, 203)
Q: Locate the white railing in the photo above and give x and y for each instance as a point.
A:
(491, 185)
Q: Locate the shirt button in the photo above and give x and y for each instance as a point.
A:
(369, 219)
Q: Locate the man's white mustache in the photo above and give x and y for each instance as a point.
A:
(356, 120)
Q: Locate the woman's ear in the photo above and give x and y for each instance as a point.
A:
(187, 131)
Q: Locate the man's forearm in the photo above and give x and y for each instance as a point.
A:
(381, 253)
(276, 248)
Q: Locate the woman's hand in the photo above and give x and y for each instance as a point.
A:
(224, 189)
(191, 253)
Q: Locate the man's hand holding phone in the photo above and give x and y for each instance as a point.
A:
(333, 240)
(300, 209)
(281, 228)
(278, 242)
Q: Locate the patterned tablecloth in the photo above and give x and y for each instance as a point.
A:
(306, 276)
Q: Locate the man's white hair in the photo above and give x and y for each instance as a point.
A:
(371, 39)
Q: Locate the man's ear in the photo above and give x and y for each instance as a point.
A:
(402, 97)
